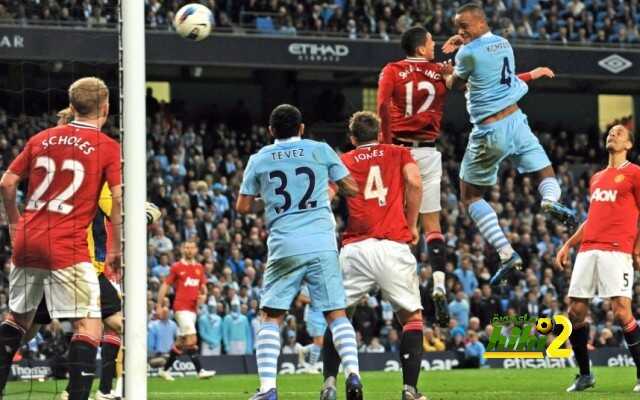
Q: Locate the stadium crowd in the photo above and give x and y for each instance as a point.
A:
(195, 170)
(558, 21)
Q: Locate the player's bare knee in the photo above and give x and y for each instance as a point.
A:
(577, 312)
(114, 323)
(88, 326)
(272, 315)
(406, 317)
(334, 314)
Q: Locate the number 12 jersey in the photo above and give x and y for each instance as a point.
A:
(66, 167)
(377, 211)
(292, 177)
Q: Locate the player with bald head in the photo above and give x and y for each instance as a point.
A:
(485, 67)
(609, 247)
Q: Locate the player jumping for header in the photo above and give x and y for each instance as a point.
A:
(411, 97)
(484, 66)
(609, 245)
(292, 177)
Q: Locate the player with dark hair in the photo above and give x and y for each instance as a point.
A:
(66, 167)
(189, 280)
(292, 177)
(411, 97)
(609, 245)
(485, 67)
(382, 223)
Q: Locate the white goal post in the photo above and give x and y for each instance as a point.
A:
(132, 76)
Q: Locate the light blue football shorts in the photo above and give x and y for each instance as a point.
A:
(320, 270)
(489, 144)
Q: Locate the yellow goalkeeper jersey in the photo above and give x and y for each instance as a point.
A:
(99, 231)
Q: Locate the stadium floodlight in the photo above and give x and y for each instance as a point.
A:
(132, 81)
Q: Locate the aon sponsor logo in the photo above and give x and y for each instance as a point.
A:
(192, 282)
(604, 195)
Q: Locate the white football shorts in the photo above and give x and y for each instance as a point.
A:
(602, 273)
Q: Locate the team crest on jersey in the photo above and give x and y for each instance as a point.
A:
(604, 195)
(619, 178)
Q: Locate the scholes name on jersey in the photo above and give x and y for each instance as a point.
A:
(287, 154)
(82, 145)
(368, 156)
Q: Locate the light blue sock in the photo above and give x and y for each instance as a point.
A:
(267, 352)
(344, 339)
(314, 354)
(487, 222)
(549, 189)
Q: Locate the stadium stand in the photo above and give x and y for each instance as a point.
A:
(553, 21)
(196, 194)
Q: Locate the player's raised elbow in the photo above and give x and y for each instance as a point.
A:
(243, 204)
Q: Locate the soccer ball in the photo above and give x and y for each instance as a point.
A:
(544, 325)
(193, 22)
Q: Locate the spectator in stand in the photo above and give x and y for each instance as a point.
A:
(459, 310)
(375, 346)
(160, 242)
(291, 346)
(466, 276)
(162, 268)
(162, 334)
(431, 342)
(237, 335)
(210, 330)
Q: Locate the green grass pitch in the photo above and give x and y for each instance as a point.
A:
(485, 384)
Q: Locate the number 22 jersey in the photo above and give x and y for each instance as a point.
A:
(66, 167)
(292, 177)
(377, 211)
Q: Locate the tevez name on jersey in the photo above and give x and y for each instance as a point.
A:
(292, 177)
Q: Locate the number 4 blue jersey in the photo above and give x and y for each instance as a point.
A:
(292, 177)
(488, 65)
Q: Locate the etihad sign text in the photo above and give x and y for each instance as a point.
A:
(604, 195)
(318, 52)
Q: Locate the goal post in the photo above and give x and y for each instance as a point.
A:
(132, 76)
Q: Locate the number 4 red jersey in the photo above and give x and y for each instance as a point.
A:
(66, 167)
(612, 222)
(378, 210)
(414, 91)
(188, 280)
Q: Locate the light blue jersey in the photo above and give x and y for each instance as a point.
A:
(237, 334)
(292, 177)
(210, 329)
(488, 65)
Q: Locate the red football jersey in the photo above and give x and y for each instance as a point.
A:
(378, 210)
(415, 92)
(612, 222)
(188, 280)
(66, 167)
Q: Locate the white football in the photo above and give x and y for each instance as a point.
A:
(193, 22)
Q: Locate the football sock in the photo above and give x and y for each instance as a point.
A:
(632, 337)
(344, 339)
(268, 350)
(195, 358)
(314, 354)
(487, 223)
(330, 357)
(173, 356)
(411, 352)
(109, 351)
(549, 189)
(10, 338)
(579, 338)
(437, 258)
(82, 366)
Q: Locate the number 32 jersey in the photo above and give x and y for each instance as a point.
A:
(66, 167)
(417, 92)
(292, 177)
(377, 211)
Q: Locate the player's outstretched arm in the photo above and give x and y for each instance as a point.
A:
(8, 191)
(454, 82)
(348, 186)
(413, 197)
(537, 73)
(562, 258)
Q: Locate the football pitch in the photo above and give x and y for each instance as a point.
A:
(522, 384)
